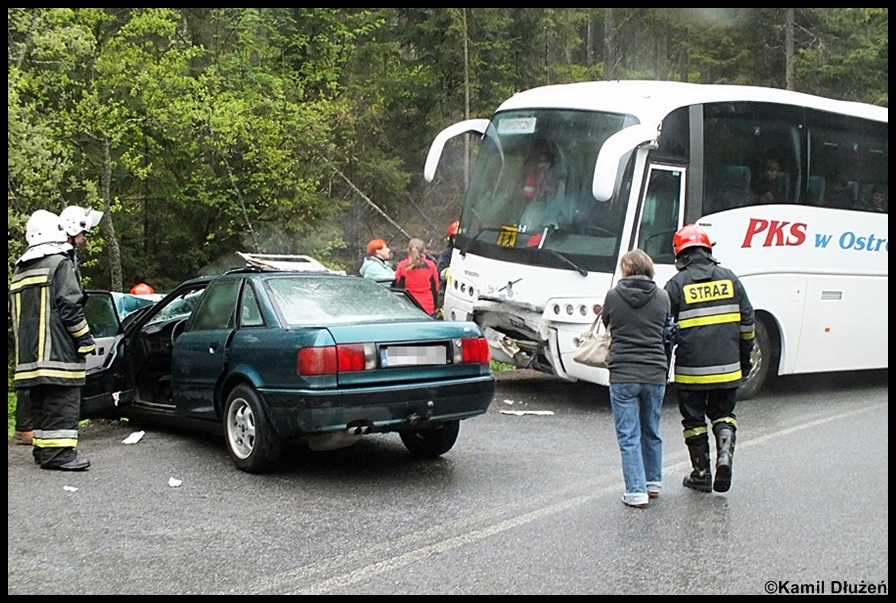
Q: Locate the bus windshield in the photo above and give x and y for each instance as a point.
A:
(530, 195)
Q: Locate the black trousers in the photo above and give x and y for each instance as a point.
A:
(24, 420)
(56, 410)
(696, 406)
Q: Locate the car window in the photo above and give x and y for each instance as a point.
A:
(308, 300)
(215, 310)
(100, 313)
(250, 314)
(179, 307)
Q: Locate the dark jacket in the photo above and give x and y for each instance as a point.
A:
(715, 319)
(444, 260)
(52, 335)
(635, 311)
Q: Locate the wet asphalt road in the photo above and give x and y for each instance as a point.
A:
(526, 504)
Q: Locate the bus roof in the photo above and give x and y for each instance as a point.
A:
(651, 100)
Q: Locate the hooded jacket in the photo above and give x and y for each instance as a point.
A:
(715, 319)
(635, 312)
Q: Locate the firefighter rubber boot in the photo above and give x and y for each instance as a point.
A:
(700, 478)
(724, 457)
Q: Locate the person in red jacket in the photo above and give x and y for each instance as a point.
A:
(418, 275)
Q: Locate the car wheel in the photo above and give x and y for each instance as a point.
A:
(764, 355)
(431, 441)
(251, 441)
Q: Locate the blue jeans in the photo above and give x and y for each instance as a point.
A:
(636, 411)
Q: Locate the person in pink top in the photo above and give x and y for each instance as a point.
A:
(418, 275)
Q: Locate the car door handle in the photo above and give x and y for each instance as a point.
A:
(213, 347)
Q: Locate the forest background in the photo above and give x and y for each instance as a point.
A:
(202, 132)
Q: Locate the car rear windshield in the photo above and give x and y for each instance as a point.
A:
(309, 301)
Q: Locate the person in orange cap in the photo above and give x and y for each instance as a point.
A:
(142, 288)
(376, 265)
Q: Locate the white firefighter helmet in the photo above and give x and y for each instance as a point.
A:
(76, 220)
(44, 227)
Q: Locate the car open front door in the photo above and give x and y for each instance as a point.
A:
(200, 352)
(106, 389)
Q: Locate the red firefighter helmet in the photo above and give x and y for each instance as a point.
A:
(452, 228)
(142, 289)
(690, 236)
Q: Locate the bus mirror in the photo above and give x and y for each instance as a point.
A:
(435, 149)
(606, 170)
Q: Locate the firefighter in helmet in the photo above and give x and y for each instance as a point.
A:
(444, 259)
(714, 354)
(77, 222)
(52, 341)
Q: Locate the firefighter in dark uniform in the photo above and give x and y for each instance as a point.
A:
(52, 341)
(714, 354)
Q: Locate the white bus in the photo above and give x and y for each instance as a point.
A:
(569, 177)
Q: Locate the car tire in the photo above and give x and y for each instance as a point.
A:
(252, 443)
(431, 441)
(764, 356)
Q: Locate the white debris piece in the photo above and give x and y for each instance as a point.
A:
(519, 413)
(69, 488)
(508, 401)
(174, 482)
(134, 437)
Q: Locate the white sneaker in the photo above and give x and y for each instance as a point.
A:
(653, 490)
(636, 499)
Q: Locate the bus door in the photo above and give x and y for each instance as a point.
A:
(660, 215)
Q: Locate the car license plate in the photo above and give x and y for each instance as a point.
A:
(410, 355)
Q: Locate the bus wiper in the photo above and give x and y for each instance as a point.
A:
(466, 248)
(566, 261)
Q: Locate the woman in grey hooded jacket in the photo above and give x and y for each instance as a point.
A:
(636, 312)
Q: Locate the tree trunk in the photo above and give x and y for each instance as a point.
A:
(662, 57)
(788, 49)
(466, 98)
(108, 227)
(589, 43)
(610, 71)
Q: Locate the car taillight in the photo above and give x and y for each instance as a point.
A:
(330, 360)
(356, 357)
(475, 350)
(317, 361)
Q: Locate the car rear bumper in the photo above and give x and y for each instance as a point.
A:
(377, 410)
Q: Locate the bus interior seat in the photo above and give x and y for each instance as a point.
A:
(865, 193)
(783, 179)
(731, 187)
(816, 190)
(853, 187)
